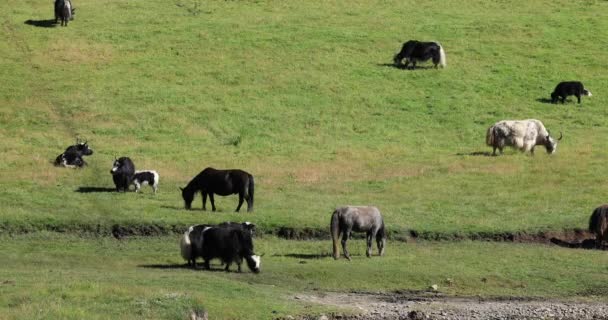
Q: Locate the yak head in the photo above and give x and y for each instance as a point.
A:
(253, 262)
(551, 144)
(83, 148)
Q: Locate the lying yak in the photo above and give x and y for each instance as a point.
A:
(123, 171)
(72, 156)
(191, 243)
(569, 88)
(520, 134)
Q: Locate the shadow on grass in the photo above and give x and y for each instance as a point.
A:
(49, 23)
(544, 100)
(174, 207)
(588, 244)
(176, 266)
(476, 153)
(94, 189)
(304, 256)
(402, 67)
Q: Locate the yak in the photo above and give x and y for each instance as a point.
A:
(598, 225)
(520, 134)
(569, 88)
(72, 156)
(123, 172)
(414, 51)
(230, 245)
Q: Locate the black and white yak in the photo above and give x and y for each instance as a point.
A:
(569, 88)
(64, 11)
(414, 51)
(146, 177)
(72, 156)
(228, 244)
(523, 135)
(191, 243)
(123, 171)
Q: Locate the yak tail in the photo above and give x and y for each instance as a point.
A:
(335, 233)
(250, 192)
(186, 246)
(442, 61)
(490, 136)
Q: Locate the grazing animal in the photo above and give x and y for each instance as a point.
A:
(222, 182)
(122, 172)
(569, 88)
(520, 134)
(63, 11)
(195, 238)
(414, 51)
(72, 156)
(598, 224)
(149, 177)
(230, 245)
(185, 246)
(359, 219)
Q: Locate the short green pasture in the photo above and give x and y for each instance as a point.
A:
(48, 275)
(302, 95)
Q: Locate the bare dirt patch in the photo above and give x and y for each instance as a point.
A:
(431, 305)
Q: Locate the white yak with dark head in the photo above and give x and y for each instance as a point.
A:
(523, 135)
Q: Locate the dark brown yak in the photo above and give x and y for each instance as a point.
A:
(598, 224)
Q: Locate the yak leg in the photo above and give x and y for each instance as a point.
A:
(212, 201)
(206, 264)
(137, 187)
(241, 198)
(413, 64)
(369, 238)
(204, 196)
(380, 242)
(345, 236)
(228, 264)
(578, 97)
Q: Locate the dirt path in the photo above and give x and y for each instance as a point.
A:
(431, 306)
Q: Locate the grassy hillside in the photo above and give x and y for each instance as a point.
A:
(300, 95)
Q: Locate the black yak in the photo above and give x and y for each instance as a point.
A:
(230, 245)
(598, 225)
(414, 51)
(123, 171)
(569, 88)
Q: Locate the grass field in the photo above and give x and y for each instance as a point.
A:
(302, 95)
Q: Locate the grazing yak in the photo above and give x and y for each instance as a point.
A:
(223, 182)
(569, 88)
(146, 177)
(72, 156)
(414, 51)
(598, 225)
(63, 11)
(191, 243)
(520, 134)
(230, 245)
(122, 172)
(345, 220)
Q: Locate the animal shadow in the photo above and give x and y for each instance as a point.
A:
(476, 153)
(390, 65)
(165, 266)
(49, 23)
(304, 256)
(588, 244)
(94, 189)
(544, 100)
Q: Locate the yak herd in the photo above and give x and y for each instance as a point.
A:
(233, 242)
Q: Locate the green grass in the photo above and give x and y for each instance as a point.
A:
(299, 94)
(48, 275)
